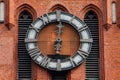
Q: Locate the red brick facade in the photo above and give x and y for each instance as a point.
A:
(109, 36)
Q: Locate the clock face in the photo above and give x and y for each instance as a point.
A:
(58, 25)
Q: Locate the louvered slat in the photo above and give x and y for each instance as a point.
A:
(24, 61)
(92, 62)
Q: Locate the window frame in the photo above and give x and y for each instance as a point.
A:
(6, 13)
(91, 65)
(114, 12)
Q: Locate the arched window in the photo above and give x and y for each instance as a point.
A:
(92, 62)
(2, 11)
(24, 61)
(113, 12)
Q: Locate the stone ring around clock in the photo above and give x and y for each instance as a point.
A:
(58, 64)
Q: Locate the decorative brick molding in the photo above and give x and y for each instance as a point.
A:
(58, 4)
(28, 8)
(58, 7)
(118, 25)
(107, 26)
(92, 7)
(9, 26)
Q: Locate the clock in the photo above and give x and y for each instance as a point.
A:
(56, 63)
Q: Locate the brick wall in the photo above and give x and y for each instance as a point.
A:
(109, 37)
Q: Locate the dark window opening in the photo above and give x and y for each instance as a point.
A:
(24, 61)
(92, 62)
(58, 75)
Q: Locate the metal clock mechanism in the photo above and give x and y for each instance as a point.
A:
(57, 64)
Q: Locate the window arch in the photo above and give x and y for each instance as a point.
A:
(58, 7)
(24, 61)
(92, 62)
(26, 7)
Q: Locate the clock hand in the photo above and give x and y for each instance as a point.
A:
(58, 41)
(60, 26)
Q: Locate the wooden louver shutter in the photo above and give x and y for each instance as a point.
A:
(92, 62)
(24, 61)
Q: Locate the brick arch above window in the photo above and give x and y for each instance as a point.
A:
(58, 7)
(92, 7)
(91, 17)
(26, 7)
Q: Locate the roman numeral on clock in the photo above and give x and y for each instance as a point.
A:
(82, 53)
(36, 29)
(34, 53)
(30, 40)
(72, 19)
(86, 40)
(58, 65)
(82, 28)
(45, 19)
(58, 15)
(45, 62)
(48, 17)
(72, 62)
(34, 50)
